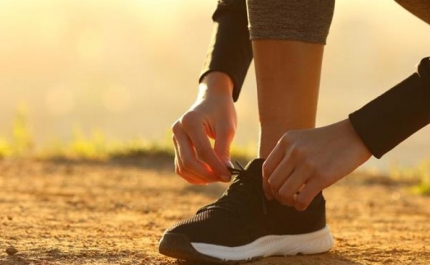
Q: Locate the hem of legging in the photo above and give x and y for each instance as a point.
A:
(295, 37)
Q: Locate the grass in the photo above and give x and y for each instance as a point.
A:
(419, 174)
(98, 146)
(22, 140)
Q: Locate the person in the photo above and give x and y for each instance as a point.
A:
(288, 38)
(304, 162)
(242, 224)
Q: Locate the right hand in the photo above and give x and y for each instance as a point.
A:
(212, 115)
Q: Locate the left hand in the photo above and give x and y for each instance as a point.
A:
(304, 162)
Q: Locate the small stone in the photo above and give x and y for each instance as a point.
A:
(11, 251)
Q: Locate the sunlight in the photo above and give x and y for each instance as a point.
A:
(60, 101)
(132, 58)
(90, 46)
(117, 99)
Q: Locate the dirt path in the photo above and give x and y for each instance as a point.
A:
(114, 213)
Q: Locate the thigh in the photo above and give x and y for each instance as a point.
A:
(302, 20)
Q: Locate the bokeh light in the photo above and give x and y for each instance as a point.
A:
(130, 68)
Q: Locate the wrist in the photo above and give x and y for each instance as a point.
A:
(216, 83)
(358, 144)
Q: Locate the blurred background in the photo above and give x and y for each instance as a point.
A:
(130, 68)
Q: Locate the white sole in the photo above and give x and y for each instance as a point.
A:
(288, 245)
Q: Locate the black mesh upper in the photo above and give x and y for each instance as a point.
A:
(239, 217)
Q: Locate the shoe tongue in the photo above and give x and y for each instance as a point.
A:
(246, 183)
(255, 168)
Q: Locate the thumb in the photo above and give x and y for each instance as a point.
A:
(223, 139)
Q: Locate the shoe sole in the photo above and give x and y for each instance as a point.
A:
(178, 246)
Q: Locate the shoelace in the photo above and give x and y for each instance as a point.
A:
(236, 171)
(241, 177)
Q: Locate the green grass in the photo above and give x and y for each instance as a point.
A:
(22, 139)
(423, 171)
(96, 146)
(419, 174)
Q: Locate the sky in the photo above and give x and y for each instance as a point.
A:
(130, 68)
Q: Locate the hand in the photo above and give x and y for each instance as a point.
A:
(304, 162)
(212, 115)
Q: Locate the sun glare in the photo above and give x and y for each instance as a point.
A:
(60, 101)
(94, 60)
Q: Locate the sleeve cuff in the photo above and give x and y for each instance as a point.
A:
(391, 118)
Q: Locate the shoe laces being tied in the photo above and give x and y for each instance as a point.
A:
(242, 193)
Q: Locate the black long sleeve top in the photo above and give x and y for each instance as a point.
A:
(392, 117)
(382, 123)
(230, 49)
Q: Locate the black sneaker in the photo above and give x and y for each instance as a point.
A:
(242, 225)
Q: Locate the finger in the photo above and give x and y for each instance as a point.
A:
(189, 160)
(311, 189)
(280, 175)
(205, 152)
(267, 192)
(192, 167)
(223, 139)
(269, 166)
(180, 170)
(272, 161)
(185, 175)
(266, 187)
(292, 186)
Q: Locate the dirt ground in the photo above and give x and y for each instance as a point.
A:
(115, 212)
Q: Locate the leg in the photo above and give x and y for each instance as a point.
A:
(288, 40)
(288, 77)
(242, 224)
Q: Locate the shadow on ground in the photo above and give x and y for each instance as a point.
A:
(161, 161)
(55, 256)
(329, 258)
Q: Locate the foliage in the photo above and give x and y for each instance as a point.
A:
(419, 174)
(5, 148)
(22, 138)
(99, 147)
(423, 187)
(96, 146)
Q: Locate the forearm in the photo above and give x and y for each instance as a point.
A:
(230, 49)
(391, 118)
(419, 8)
